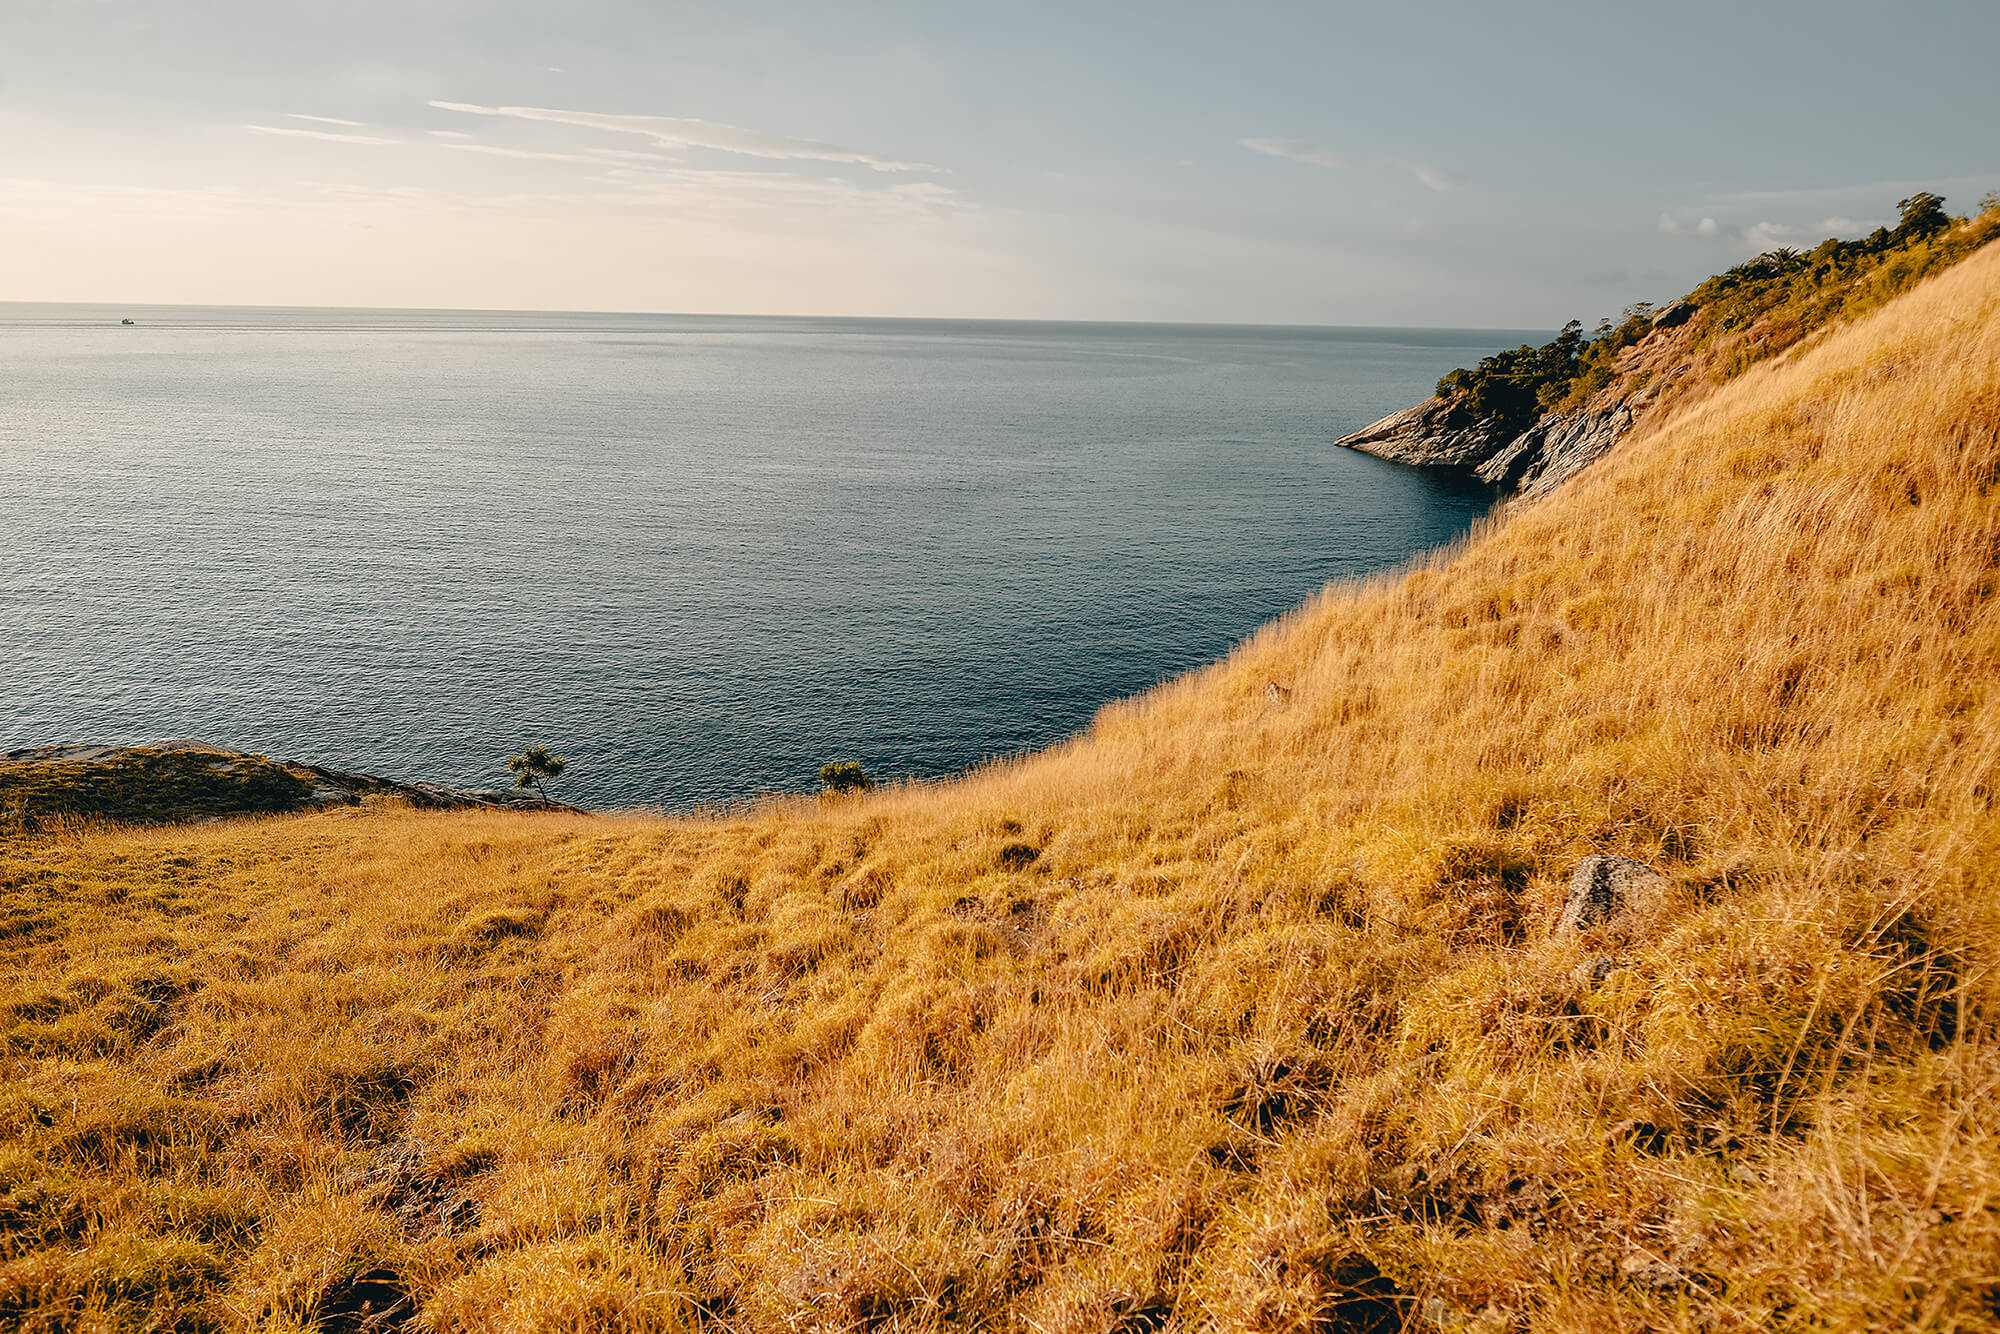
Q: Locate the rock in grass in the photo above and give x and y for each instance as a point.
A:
(1592, 971)
(1611, 893)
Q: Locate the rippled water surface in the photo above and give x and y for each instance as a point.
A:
(699, 555)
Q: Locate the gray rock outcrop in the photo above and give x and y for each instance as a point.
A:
(1673, 316)
(1613, 894)
(1436, 433)
(337, 787)
(1555, 449)
(1440, 434)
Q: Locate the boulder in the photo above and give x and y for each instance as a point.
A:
(1667, 317)
(1592, 971)
(1613, 894)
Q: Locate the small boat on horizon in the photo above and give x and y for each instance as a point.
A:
(126, 321)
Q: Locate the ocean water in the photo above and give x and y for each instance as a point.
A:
(701, 556)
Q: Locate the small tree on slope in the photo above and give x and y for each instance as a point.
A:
(534, 767)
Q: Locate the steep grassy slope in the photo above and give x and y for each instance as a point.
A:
(1530, 418)
(1242, 1011)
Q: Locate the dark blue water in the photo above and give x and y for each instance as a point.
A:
(701, 556)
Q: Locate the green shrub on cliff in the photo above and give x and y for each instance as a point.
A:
(1511, 385)
(1769, 303)
(534, 768)
(1756, 310)
(844, 776)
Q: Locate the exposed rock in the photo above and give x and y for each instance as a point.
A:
(1613, 894)
(1437, 433)
(1555, 449)
(1441, 434)
(348, 789)
(1592, 972)
(1679, 313)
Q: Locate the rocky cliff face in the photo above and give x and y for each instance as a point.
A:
(1556, 448)
(1439, 434)
(1436, 433)
(1443, 433)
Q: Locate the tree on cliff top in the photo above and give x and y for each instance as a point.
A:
(534, 767)
(1923, 216)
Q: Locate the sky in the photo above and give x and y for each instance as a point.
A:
(1446, 164)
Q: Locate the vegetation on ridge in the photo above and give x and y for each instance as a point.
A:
(1242, 1011)
(1759, 309)
(147, 784)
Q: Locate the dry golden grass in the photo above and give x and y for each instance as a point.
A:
(1231, 1014)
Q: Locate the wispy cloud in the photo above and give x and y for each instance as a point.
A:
(1672, 226)
(328, 120)
(677, 132)
(330, 135)
(495, 150)
(1767, 235)
(1298, 150)
(1430, 176)
(1761, 220)
(1839, 226)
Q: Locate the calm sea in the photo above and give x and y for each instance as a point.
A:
(700, 556)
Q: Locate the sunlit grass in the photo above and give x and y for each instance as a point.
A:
(1265, 1028)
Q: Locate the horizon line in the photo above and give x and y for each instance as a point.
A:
(767, 315)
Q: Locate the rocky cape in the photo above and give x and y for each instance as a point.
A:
(1533, 460)
(173, 781)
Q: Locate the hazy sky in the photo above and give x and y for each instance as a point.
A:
(1391, 163)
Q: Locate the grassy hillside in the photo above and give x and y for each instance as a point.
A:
(1243, 1011)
